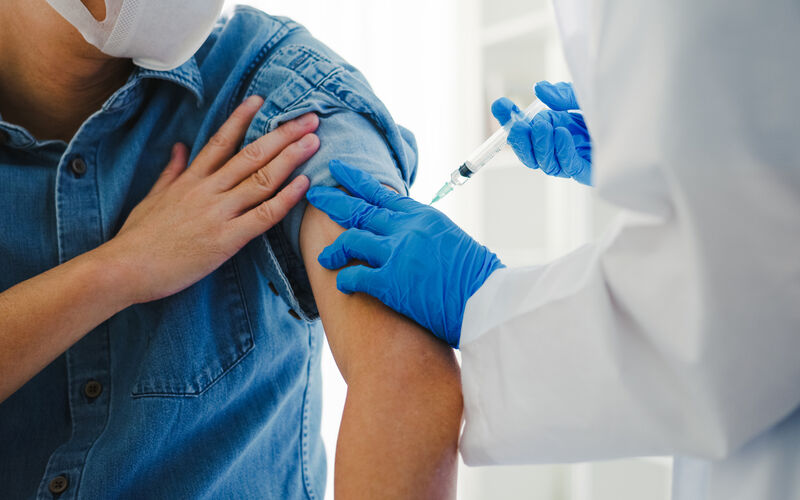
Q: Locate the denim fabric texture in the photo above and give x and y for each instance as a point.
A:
(214, 392)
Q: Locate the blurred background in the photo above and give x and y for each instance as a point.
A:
(438, 65)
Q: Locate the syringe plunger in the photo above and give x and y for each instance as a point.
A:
(488, 150)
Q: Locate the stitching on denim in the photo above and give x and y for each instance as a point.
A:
(116, 125)
(177, 392)
(363, 109)
(176, 79)
(278, 241)
(338, 69)
(97, 193)
(237, 275)
(89, 448)
(284, 280)
(259, 61)
(49, 469)
(304, 453)
(59, 211)
(315, 88)
(196, 394)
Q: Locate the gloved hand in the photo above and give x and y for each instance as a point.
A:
(556, 141)
(420, 263)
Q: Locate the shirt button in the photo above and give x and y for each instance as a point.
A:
(58, 485)
(78, 166)
(92, 389)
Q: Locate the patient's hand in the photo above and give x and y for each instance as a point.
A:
(196, 218)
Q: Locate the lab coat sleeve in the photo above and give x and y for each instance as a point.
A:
(680, 332)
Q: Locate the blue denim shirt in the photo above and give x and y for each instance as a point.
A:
(214, 392)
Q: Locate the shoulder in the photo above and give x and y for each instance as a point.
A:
(246, 40)
(243, 26)
(240, 37)
(251, 52)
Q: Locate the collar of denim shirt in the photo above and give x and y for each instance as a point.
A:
(187, 76)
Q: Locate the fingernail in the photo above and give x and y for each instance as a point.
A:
(308, 141)
(253, 102)
(301, 183)
(307, 120)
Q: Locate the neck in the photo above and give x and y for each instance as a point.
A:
(51, 79)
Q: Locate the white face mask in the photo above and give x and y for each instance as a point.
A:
(157, 34)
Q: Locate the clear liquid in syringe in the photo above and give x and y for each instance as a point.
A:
(487, 151)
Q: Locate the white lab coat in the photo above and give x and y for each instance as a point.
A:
(679, 334)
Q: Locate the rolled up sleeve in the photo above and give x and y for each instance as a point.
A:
(355, 127)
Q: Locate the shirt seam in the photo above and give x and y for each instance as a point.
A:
(339, 71)
(260, 59)
(90, 446)
(304, 454)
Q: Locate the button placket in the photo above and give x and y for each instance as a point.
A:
(88, 361)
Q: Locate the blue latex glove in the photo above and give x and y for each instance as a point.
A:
(556, 141)
(420, 263)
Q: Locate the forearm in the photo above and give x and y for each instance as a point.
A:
(44, 316)
(400, 427)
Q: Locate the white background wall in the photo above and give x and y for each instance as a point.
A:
(438, 64)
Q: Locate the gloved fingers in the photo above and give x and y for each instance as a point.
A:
(544, 148)
(520, 139)
(359, 279)
(584, 175)
(339, 206)
(349, 211)
(557, 96)
(569, 159)
(566, 154)
(503, 108)
(355, 244)
(363, 185)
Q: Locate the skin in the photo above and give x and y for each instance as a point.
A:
(400, 427)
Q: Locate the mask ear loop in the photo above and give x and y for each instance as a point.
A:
(76, 13)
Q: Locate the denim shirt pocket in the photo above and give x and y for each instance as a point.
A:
(195, 337)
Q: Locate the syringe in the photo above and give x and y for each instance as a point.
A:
(488, 150)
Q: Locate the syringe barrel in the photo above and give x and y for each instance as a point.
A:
(497, 142)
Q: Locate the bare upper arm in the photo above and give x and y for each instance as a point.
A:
(399, 432)
(364, 335)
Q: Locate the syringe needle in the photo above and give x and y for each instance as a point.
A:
(446, 189)
(488, 150)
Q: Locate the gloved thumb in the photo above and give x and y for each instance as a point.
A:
(503, 108)
(359, 279)
(557, 96)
